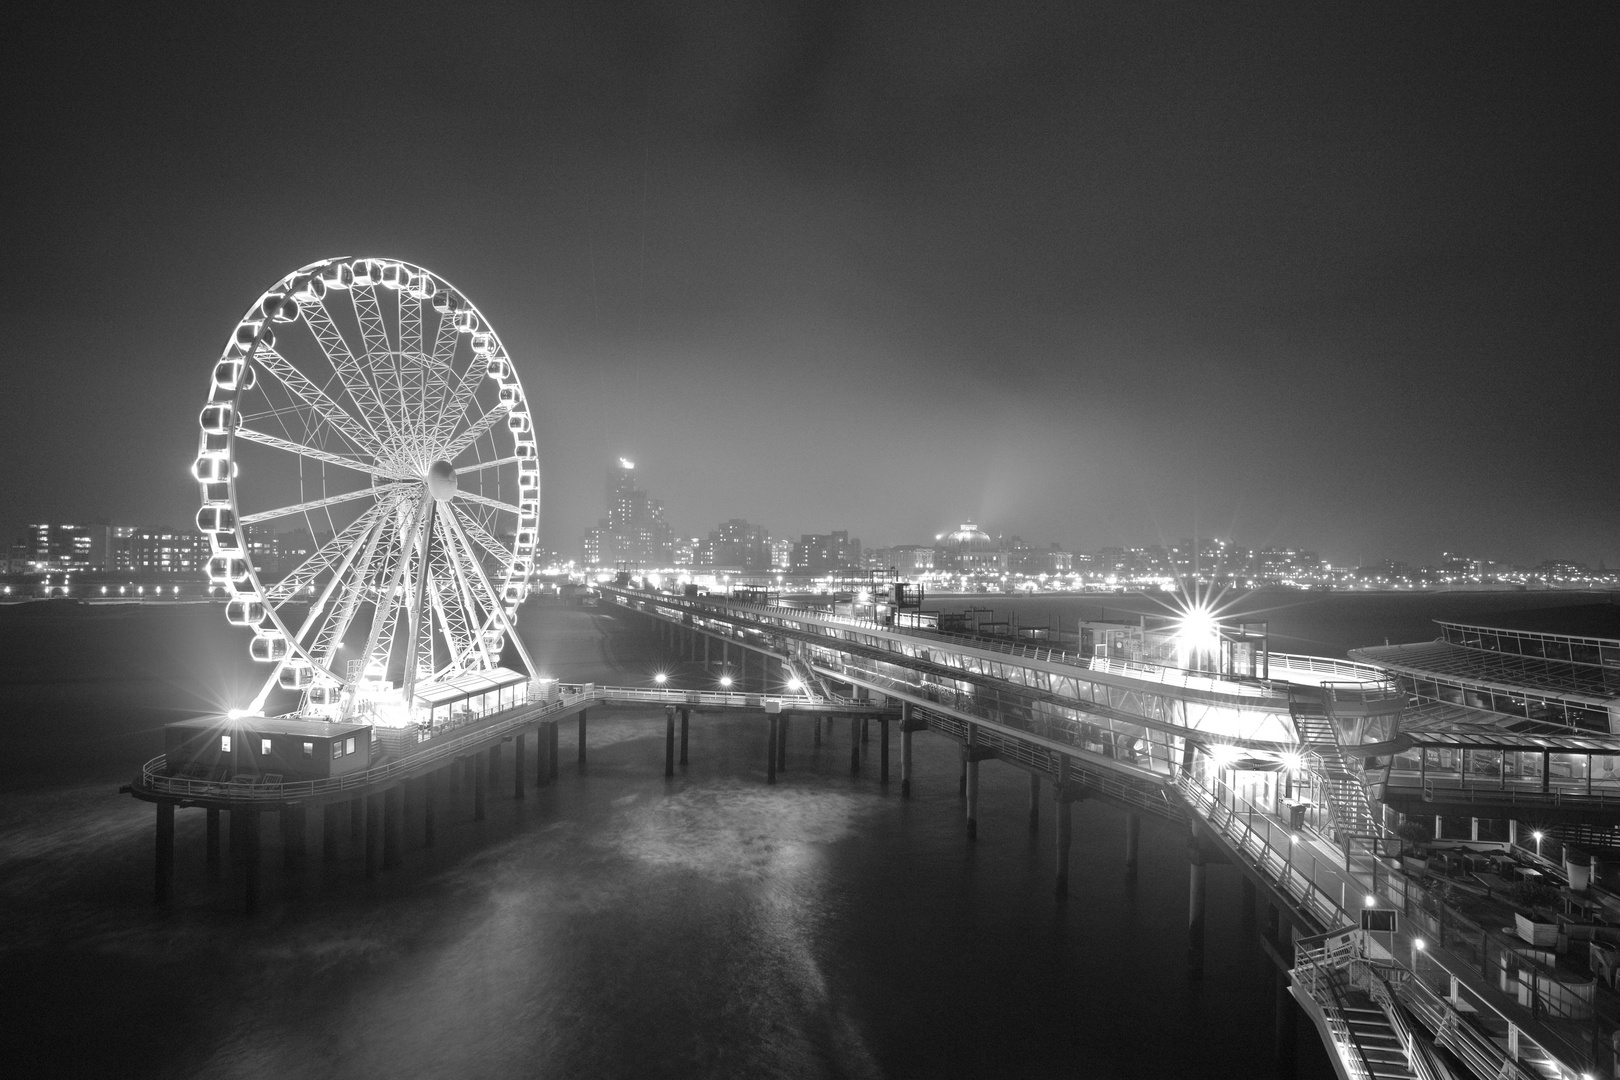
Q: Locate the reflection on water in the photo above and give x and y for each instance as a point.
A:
(615, 924)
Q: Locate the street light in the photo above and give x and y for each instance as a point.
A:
(1537, 837)
(660, 678)
(725, 680)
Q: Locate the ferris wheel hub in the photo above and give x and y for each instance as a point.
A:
(441, 481)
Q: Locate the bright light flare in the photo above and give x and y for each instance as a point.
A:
(725, 680)
(1224, 754)
(794, 684)
(1291, 760)
(660, 678)
(235, 714)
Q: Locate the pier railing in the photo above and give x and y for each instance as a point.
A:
(154, 776)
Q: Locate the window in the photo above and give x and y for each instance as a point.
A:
(350, 748)
(264, 747)
(337, 749)
(309, 749)
(224, 744)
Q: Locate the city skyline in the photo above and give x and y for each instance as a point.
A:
(1340, 279)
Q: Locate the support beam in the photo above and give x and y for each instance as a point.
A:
(854, 745)
(480, 781)
(971, 763)
(1195, 907)
(542, 755)
(866, 730)
(816, 731)
(686, 718)
(250, 854)
(1286, 1040)
(357, 819)
(517, 765)
(293, 829)
(331, 824)
(393, 826)
(781, 744)
(374, 834)
(582, 713)
(669, 741)
(213, 844)
(770, 747)
(430, 790)
(163, 878)
(552, 756)
(1062, 809)
(494, 776)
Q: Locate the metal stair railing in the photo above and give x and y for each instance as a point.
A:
(1316, 972)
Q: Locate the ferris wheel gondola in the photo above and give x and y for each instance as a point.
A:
(365, 415)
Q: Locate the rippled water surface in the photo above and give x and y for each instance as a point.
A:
(611, 924)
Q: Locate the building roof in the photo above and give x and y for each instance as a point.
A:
(467, 685)
(1440, 723)
(273, 725)
(1507, 672)
(1600, 621)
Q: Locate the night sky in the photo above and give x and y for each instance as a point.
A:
(1095, 274)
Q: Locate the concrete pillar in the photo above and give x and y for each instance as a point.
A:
(374, 834)
(517, 764)
(972, 765)
(542, 755)
(250, 855)
(292, 840)
(686, 717)
(393, 825)
(357, 819)
(961, 779)
(480, 780)
(1195, 906)
(331, 821)
(854, 745)
(213, 844)
(866, 730)
(669, 741)
(770, 747)
(494, 776)
(781, 744)
(1034, 802)
(430, 788)
(816, 731)
(582, 740)
(1133, 836)
(163, 879)
(1286, 1044)
(1062, 809)
(905, 761)
(552, 756)
(233, 842)
(883, 750)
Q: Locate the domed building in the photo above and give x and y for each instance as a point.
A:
(969, 550)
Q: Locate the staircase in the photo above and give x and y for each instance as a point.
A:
(1371, 1042)
(1348, 804)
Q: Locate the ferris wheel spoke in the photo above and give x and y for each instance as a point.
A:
(315, 399)
(275, 441)
(493, 463)
(498, 607)
(336, 552)
(484, 539)
(316, 504)
(348, 369)
(336, 627)
(473, 589)
(465, 440)
(380, 357)
(444, 369)
(380, 639)
(484, 500)
(458, 400)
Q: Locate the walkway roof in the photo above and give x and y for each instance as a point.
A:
(1504, 672)
(468, 684)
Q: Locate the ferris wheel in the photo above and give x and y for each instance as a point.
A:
(370, 488)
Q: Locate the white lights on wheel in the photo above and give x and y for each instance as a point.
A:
(369, 484)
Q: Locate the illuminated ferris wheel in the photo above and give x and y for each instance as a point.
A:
(370, 488)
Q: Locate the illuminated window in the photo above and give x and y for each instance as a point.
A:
(309, 749)
(264, 746)
(350, 749)
(337, 749)
(224, 744)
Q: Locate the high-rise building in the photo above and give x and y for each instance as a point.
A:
(782, 554)
(736, 543)
(819, 553)
(167, 551)
(634, 535)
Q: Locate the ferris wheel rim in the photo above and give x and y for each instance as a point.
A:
(403, 460)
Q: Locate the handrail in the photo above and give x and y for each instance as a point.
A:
(1417, 1055)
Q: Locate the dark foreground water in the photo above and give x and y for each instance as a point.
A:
(612, 924)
